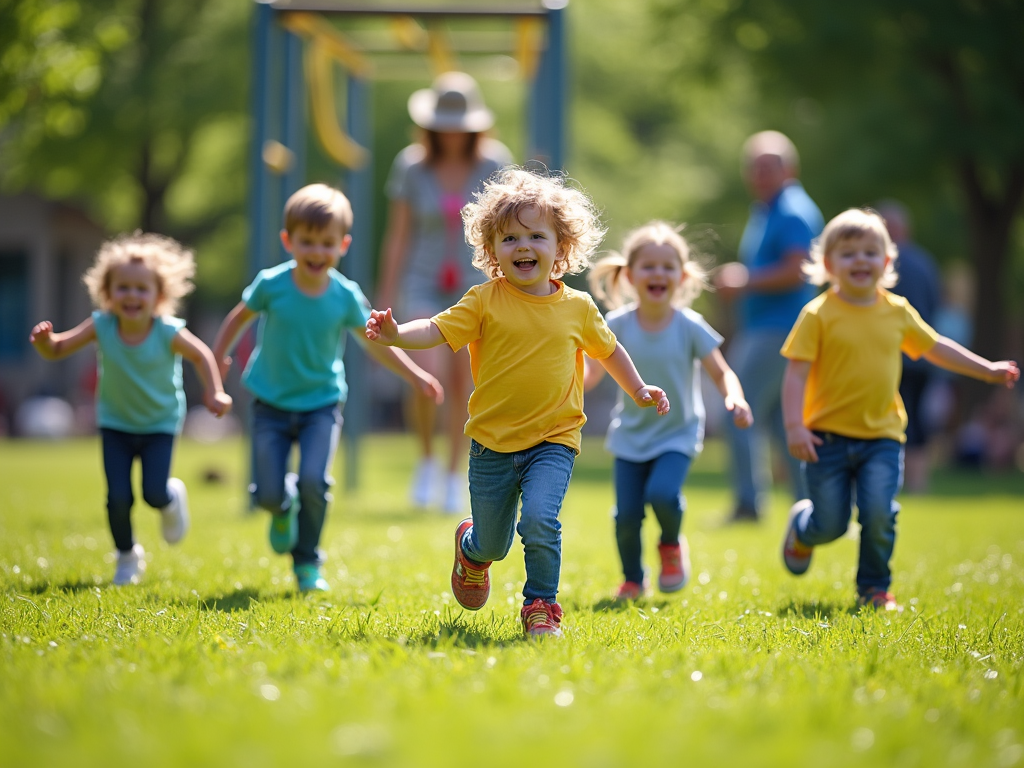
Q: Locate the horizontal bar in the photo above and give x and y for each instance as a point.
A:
(375, 9)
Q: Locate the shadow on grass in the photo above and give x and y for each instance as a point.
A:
(611, 605)
(238, 600)
(814, 609)
(72, 586)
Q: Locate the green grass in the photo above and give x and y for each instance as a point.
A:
(214, 660)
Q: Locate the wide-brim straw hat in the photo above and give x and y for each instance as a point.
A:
(452, 103)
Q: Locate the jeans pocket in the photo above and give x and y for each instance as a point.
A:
(475, 449)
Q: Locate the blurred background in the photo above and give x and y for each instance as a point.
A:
(125, 114)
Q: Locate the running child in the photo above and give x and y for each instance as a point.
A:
(296, 374)
(843, 413)
(527, 332)
(136, 284)
(666, 340)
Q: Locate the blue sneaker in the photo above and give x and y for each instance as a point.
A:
(284, 526)
(310, 578)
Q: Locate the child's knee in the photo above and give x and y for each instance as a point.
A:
(878, 521)
(539, 528)
(270, 499)
(312, 486)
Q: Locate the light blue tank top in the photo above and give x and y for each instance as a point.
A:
(139, 385)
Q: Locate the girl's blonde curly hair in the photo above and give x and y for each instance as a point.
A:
(512, 190)
(855, 222)
(608, 277)
(171, 262)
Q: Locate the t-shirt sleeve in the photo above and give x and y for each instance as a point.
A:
(794, 234)
(398, 184)
(598, 339)
(804, 339)
(705, 338)
(462, 324)
(171, 326)
(919, 337)
(359, 306)
(255, 296)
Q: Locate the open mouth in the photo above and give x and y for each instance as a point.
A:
(524, 264)
(657, 291)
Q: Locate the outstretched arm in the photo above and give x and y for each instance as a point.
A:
(57, 346)
(416, 334)
(232, 327)
(186, 344)
(620, 367)
(949, 355)
(729, 385)
(400, 364)
(799, 438)
(592, 374)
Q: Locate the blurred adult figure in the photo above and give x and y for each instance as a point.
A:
(768, 288)
(426, 263)
(921, 284)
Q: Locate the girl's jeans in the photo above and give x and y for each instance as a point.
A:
(540, 475)
(657, 482)
(273, 433)
(869, 472)
(119, 452)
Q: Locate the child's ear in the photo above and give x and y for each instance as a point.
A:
(286, 240)
(346, 243)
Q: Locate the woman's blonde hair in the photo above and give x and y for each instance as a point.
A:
(512, 190)
(608, 277)
(855, 222)
(171, 262)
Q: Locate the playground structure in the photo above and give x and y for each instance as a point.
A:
(299, 46)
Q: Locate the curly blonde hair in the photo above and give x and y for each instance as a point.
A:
(855, 222)
(171, 262)
(512, 190)
(608, 279)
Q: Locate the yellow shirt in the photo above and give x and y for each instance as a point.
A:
(854, 351)
(526, 353)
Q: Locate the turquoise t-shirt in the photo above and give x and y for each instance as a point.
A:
(669, 359)
(297, 364)
(139, 385)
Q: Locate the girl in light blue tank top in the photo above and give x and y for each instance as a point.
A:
(136, 283)
(667, 342)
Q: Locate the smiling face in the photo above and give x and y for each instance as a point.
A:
(856, 265)
(133, 291)
(315, 251)
(656, 272)
(526, 249)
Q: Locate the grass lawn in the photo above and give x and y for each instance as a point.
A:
(214, 660)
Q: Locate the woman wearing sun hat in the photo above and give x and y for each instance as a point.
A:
(426, 263)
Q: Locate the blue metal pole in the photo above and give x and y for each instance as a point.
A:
(259, 101)
(293, 130)
(548, 95)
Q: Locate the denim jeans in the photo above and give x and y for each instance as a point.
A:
(869, 473)
(316, 432)
(755, 357)
(119, 452)
(657, 482)
(540, 475)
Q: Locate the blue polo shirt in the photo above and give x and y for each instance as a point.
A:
(789, 222)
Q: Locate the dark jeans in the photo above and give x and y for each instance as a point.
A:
(869, 472)
(316, 432)
(657, 482)
(119, 452)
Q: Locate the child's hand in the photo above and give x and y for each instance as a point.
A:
(801, 442)
(742, 416)
(430, 387)
(1004, 372)
(217, 403)
(648, 396)
(381, 327)
(40, 335)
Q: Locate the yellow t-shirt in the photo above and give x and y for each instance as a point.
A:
(526, 353)
(854, 351)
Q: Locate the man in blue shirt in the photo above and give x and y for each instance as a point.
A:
(768, 287)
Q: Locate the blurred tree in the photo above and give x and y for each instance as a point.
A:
(138, 109)
(893, 96)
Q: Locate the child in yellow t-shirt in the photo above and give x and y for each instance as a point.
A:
(840, 397)
(527, 332)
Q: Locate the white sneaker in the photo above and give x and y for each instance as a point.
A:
(174, 517)
(130, 566)
(456, 488)
(421, 494)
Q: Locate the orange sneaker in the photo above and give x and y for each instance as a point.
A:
(631, 590)
(879, 599)
(471, 584)
(796, 556)
(542, 619)
(675, 565)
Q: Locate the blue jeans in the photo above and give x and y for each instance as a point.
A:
(540, 475)
(868, 472)
(119, 452)
(754, 356)
(316, 432)
(657, 482)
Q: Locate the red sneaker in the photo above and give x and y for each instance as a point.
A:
(675, 565)
(471, 584)
(879, 599)
(796, 556)
(542, 619)
(631, 590)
